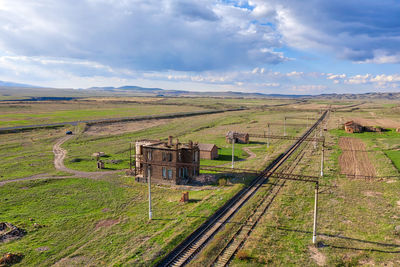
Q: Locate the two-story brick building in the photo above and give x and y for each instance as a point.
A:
(167, 162)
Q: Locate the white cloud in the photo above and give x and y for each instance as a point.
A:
(141, 35)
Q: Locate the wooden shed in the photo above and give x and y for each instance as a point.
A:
(208, 151)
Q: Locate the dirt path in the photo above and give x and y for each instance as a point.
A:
(252, 155)
(59, 156)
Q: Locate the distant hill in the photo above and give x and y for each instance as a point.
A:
(10, 90)
(11, 84)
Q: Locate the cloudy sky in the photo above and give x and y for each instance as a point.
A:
(268, 46)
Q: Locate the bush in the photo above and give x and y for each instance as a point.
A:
(76, 160)
(242, 255)
(222, 182)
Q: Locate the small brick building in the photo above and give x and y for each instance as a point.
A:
(352, 127)
(208, 151)
(241, 138)
(166, 162)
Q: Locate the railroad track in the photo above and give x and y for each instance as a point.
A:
(192, 245)
(237, 240)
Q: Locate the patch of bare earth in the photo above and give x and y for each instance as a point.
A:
(354, 159)
(317, 256)
(74, 261)
(385, 123)
(106, 223)
(123, 127)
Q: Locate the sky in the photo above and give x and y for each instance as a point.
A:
(265, 46)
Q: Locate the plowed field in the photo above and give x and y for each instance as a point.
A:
(354, 159)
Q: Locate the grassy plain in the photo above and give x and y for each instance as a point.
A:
(104, 221)
(67, 111)
(357, 218)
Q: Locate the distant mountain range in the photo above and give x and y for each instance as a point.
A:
(11, 84)
(163, 92)
(10, 89)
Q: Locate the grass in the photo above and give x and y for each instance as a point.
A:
(356, 219)
(385, 145)
(70, 209)
(27, 153)
(76, 112)
(356, 222)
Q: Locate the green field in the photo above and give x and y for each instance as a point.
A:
(103, 221)
(86, 222)
(52, 113)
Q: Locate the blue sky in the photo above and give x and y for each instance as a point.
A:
(268, 46)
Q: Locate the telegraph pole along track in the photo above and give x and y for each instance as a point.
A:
(195, 242)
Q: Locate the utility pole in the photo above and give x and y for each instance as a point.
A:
(269, 133)
(149, 182)
(316, 195)
(233, 151)
(314, 238)
(130, 158)
(284, 127)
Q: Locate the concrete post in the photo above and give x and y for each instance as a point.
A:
(149, 182)
(233, 152)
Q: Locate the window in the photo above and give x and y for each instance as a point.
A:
(194, 171)
(196, 156)
(164, 172)
(149, 156)
(169, 156)
(169, 174)
(180, 156)
(164, 156)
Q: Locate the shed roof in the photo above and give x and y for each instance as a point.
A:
(206, 147)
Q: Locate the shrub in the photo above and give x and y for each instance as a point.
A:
(222, 182)
(242, 255)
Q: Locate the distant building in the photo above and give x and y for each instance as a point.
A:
(352, 127)
(241, 138)
(208, 151)
(166, 162)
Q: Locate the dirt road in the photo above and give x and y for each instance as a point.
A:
(59, 156)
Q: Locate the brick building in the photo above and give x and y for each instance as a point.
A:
(352, 127)
(241, 138)
(166, 162)
(208, 151)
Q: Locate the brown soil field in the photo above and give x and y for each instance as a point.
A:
(123, 127)
(354, 158)
(385, 123)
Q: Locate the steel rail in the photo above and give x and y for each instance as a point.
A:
(187, 249)
(237, 240)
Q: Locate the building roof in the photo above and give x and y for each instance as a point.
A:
(232, 134)
(165, 146)
(206, 147)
